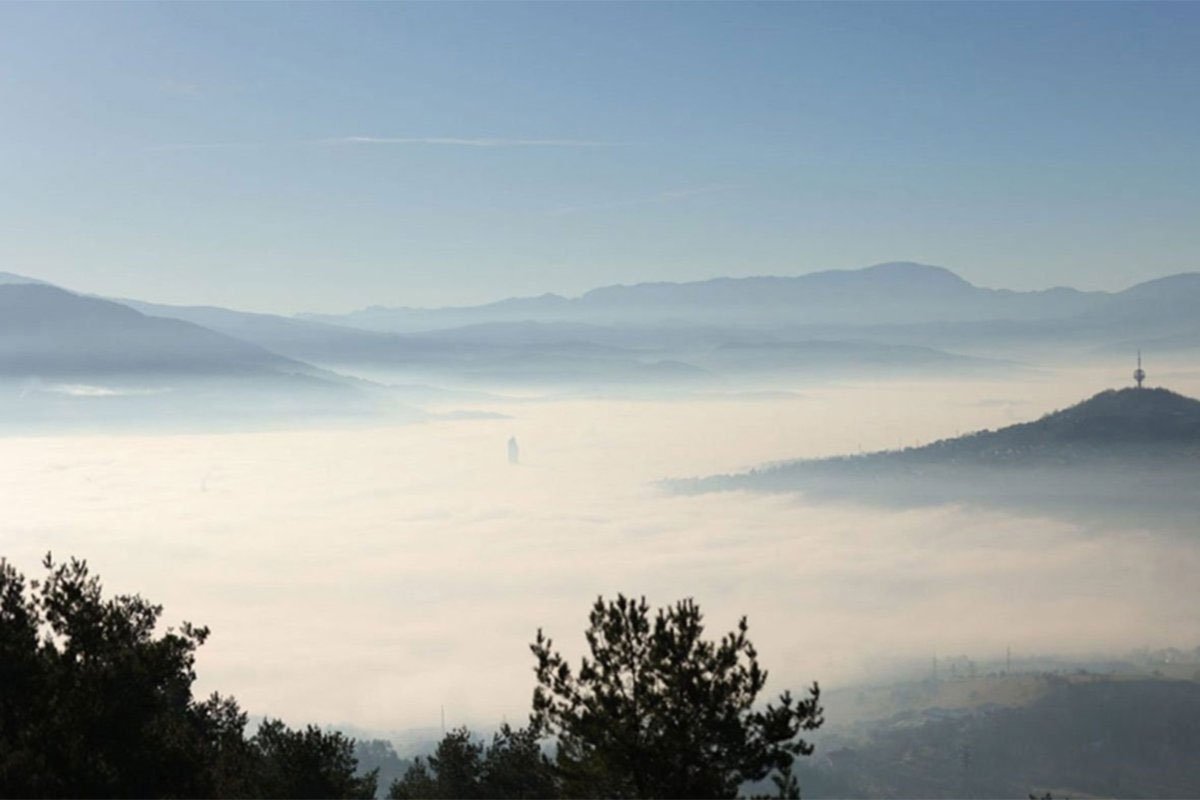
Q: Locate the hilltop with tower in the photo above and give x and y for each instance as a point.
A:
(1138, 445)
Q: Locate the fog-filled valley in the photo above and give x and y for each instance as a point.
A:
(599, 400)
(340, 505)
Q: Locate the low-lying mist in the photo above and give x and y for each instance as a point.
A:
(373, 575)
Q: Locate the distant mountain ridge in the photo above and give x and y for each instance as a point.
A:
(894, 292)
(509, 354)
(889, 318)
(288, 336)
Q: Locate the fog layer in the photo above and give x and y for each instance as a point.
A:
(374, 575)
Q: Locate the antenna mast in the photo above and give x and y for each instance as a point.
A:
(1139, 374)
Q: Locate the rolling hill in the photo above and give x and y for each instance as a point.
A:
(49, 332)
(1119, 423)
(1128, 452)
(71, 361)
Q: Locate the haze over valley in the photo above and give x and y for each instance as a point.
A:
(633, 400)
(393, 542)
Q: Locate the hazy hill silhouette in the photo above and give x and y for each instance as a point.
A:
(1128, 453)
(896, 303)
(1118, 422)
(1154, 418)
(71, 361)
(1082, 736)
(536, 353)
(300, 339)
(898, 317)
(1172, 298)
(10, 277)
(894, 292)
(46, 331)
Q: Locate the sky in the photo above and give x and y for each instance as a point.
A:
(317, 157)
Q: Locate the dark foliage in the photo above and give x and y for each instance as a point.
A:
(307, 764)
(659, 711)
(516, 767)
(94, 704)
(379, 755)
(512, 767)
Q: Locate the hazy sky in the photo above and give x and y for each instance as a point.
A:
(325, 157)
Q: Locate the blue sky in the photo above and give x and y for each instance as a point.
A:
(325, 157)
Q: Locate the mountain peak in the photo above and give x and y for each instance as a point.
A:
(1122, 415)
(912, 271)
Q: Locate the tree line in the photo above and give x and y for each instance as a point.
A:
(95, 702)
